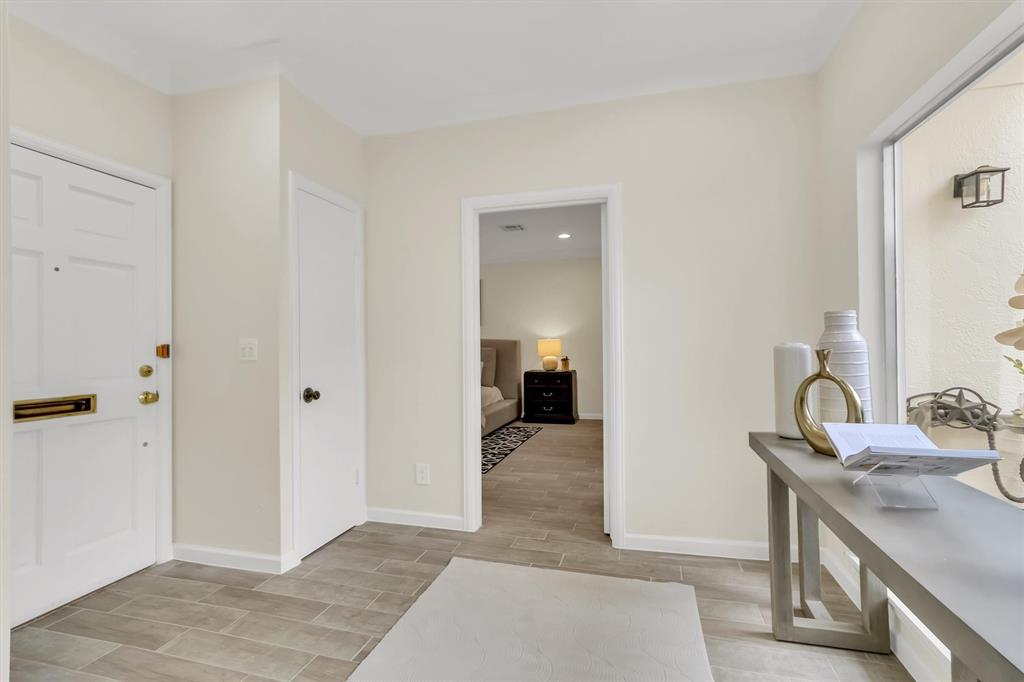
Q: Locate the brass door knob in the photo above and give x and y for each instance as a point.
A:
(148, 397)
(310, 394)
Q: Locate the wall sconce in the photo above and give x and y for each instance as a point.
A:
(982, 187)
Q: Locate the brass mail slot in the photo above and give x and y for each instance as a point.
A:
(53, 408)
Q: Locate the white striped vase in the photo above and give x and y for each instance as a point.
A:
(849, 361)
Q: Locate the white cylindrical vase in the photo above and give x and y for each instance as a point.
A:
(849, 361)
(792, 366)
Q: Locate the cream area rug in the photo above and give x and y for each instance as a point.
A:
(489, 621)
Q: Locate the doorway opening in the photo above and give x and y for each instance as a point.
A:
(544, 332)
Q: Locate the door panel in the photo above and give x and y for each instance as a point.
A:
(330, 347)
(83, 322)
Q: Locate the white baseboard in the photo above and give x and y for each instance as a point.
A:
(730, 549)
(411, 518)
(234, 558)
(920, 652)
(591, 415)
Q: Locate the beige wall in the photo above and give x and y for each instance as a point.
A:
(320, 148)
(227, 255)
(556, 299)
(62, 94)
(718, 267)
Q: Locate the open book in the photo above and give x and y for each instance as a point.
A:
(899, 449)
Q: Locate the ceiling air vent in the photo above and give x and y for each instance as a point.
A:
(513, 228)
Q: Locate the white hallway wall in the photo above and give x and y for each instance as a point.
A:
(553, 298)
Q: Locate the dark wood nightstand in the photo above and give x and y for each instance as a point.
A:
(550, 397)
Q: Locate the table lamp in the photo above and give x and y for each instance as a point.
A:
(549, 350)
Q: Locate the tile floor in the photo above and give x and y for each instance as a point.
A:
(542, 507)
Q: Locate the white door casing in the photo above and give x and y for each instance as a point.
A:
(328, 357)
(84, 319)
(610, 198)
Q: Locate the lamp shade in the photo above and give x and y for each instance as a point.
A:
(546, 347)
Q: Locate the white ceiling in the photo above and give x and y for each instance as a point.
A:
(539, 238)
(385, 67)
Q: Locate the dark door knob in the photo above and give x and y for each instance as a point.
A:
(309, 395)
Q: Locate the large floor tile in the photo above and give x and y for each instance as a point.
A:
(243, 655)
(265, 602)
(382, 582)
(57, 648)
(318, 590)
(109, 627)
(364, 621)
(163, 586)
(212, 574)
(178, 612)
(314, 639)
(323, 669)
(138, 665)
(32, 671)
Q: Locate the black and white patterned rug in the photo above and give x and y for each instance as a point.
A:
(500, 444)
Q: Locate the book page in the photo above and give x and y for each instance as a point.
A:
(851, 439)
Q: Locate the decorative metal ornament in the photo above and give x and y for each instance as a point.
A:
(963, 408)
(811, 430)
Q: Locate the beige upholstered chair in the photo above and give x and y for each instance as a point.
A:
(502, 368)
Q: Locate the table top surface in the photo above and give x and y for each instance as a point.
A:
(960, 568)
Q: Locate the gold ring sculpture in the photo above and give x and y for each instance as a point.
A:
(810, 429)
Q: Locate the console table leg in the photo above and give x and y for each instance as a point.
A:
(874, 608)
(961, 673)
(809, 562)
(871, 635)
(780, 563)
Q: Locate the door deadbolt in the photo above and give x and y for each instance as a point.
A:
(145, 371)
(148, 397)
(309, 395)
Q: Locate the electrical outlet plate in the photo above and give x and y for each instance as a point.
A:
(248, 350)
(422, 474)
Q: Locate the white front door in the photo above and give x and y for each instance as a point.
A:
(83, 322)
(329, 414)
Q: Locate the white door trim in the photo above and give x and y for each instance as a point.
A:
(610, 198)
(297, 182)
(6, 424)
(164, 279)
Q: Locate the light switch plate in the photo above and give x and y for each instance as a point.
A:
(248, 349)
(422, 474)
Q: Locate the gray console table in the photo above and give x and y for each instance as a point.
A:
(959, 568)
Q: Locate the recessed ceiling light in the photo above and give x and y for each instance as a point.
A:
(564, 235)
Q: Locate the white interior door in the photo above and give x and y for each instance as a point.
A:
(330, 412)
(83, 322)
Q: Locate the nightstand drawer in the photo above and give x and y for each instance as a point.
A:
(545, 408)
(548, 379)
(548, 394)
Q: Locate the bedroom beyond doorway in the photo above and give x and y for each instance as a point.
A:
(541, 349)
